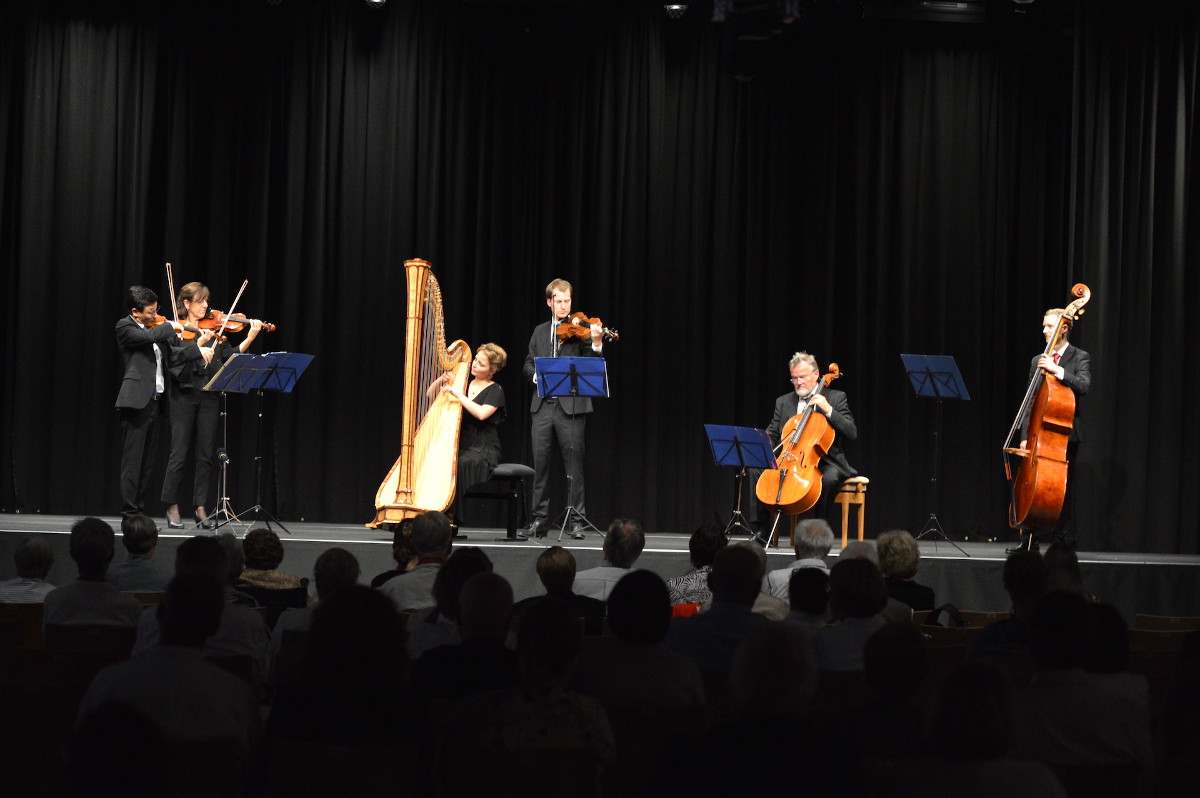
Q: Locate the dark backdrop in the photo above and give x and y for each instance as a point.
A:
(875, 189)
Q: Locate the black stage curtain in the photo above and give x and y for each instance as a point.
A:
(876, 188)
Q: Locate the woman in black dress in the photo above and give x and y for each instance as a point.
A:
(483, 410)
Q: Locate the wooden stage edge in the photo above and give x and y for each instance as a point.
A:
(970, 578)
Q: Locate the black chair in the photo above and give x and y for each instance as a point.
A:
(512, 476)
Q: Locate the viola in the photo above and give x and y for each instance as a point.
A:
(795, 486)
(577, 325)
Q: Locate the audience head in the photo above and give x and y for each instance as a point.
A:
(639, 608)
(895, 662)
(485, 607)
(335, 569)
(704, 544)
(856, 589)
(973, 715)
(235, 556)
(899, 555)
(774, 673)
(624, 542)
(34, 557)
(460, 566)
(263, 548)
(1062, 630)
(356, 642)
(431, 535)
(860, 550)
(814, 539)
(736, 575)
(191, 609)
(139, 534)
(91, 547)
(548, 641)
(1025, 580)
(1110, 648)
(402, 547)
(204, 555)
(1062, 568)
(556, 569)
(808, 591)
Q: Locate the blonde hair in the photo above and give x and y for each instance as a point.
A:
(803, 357)
(496, 355)
(558, 284)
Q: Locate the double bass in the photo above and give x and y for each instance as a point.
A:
(795, 486)
(1037, 472)
(424, 476)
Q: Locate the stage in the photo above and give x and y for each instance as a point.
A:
(970, 579)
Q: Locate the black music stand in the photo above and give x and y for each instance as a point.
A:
(274, 371)
(741, 448)
(574, 377)
(936, 376)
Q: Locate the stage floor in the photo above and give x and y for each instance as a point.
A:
(965, 574)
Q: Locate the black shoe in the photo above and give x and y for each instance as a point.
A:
(173, 524)
(1024, 546)
(534, 530)
(207, 523)
(576, 533)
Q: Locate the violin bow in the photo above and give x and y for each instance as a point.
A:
(225, 321)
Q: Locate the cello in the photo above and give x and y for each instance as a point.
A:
(795, 486)
(1039, 480)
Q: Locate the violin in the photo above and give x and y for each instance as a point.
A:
(188, 332)
(577, 325)
(235, 322)
(795, 486)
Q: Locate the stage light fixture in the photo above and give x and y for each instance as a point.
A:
(375, 3)
(675, 10)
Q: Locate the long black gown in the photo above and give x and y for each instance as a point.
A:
(478, 445)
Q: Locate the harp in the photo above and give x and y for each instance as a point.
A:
(423, 477)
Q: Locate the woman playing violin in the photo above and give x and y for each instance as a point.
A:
(195, 414)
(483, 411)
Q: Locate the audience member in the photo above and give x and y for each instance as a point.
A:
(711, 638)
(241, 631)
(813, 540)
(1062, 569)
(1025, 581)
(808, 600)
(96, 760)
(1109, 655)
(973, 727)
(402, 553)
(894, 610)
(556, 570)
(899, 558)
(622, 546)
(139, 571)
(542, 712)
(264, 554)
(335, 569)
(637, 671)
(857, 597)
(1068, 716)
(353, 689)
(90, 599)
(235, 557)
(692, 587)
(33, 558)
(430, 539)
(437, 626)
(482, 661)
(771, 608)
(187, 697)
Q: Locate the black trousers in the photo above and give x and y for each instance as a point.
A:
(139, 435)
(192, 424)
(551, 422)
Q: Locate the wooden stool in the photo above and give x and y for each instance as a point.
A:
(853, 491)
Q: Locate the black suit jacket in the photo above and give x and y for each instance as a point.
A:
(841, 420)
(1077, 375)
(540, 345)
(136, 346)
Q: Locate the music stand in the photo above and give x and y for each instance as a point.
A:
(936, 376)
(274, 371)
(742, 448)
(574, 377)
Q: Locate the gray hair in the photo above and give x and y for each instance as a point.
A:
(803, 357)
(813, 539)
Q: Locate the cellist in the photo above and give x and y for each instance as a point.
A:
(1071, 366)
(805, 375)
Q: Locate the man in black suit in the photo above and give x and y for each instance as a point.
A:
(1071, 366)
(145, 352)
(564, 417)
(832, 403)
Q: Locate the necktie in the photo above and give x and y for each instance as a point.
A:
(1057, 355)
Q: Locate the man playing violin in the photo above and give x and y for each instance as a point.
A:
(1071, 366)
(834, 468)
(562, 418)
(147, 343)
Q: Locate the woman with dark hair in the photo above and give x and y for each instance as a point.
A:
(195, 413)
(857, 596)
(692, 587)
(264, 553)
